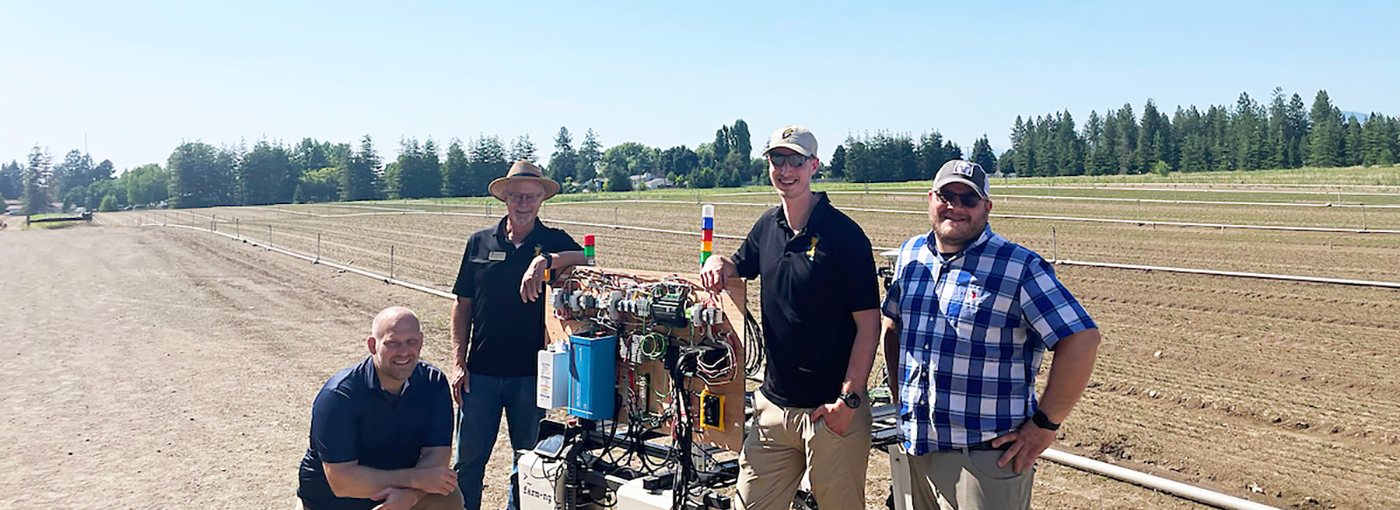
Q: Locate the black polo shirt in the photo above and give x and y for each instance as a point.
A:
(813, 281)
(506, 332)
(353, 418)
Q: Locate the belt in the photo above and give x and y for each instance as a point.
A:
(985, 446)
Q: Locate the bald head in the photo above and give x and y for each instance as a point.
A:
(394, 318)
(394, 343)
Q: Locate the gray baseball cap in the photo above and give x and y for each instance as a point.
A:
(797, 138)
(966, 172)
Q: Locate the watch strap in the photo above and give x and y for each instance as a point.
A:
(1043, 421)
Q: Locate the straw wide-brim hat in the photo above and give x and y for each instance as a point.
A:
(523, 171)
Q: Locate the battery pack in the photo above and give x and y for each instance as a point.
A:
(552, 381)
(592, 376)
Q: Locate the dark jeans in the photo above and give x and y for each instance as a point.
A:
(478, 421)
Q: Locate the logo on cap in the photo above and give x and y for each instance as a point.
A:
(787, 133)
(963, 168)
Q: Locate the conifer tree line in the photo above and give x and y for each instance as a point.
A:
(1246, 136)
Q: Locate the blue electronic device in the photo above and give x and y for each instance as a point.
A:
(592, 376)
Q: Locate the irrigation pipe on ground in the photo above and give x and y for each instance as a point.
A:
(1067, 262)
(1068, 459)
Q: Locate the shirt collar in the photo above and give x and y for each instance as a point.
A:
(818, 213)
(372, 377)
(932, 247)
(504, 240)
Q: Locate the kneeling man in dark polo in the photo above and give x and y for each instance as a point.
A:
(381, 430)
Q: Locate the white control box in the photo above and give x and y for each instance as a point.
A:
(541, 481)
(552, 381)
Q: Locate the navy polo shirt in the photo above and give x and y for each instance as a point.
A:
(354, 418)
(813, 280)
(506, 331)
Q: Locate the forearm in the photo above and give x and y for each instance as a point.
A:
(863, 352)
(1069, 373)
(435, 457)
(460, 326)
(356, 481)
(566, 258)
(890, 332)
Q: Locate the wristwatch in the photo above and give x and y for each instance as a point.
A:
(852, 400)
(1043, 421)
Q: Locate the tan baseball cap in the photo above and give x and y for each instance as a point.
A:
(793, 137)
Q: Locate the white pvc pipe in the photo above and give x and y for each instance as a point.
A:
(1240, 274)
(1149, 222)
(1191, 492)
(1210, 272)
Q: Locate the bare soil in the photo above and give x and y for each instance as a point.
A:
(1282, 393)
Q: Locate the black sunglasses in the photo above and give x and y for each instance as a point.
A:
(792, 160)
(966, 199)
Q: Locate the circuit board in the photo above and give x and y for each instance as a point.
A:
(664, 324)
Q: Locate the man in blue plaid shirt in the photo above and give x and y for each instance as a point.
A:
(967, 319)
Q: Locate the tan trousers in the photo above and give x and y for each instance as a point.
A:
(785, 443)
(968, 480)
(451, 501)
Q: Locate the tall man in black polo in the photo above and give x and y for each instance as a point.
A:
(820, 319)
(497, 325)
(381, 431)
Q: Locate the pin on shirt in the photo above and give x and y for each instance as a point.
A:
(812, 251)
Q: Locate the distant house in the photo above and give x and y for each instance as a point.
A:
(651, 181)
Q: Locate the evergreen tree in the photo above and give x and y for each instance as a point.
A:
(740, 140)
(10, 180)
(262, 174)
(455, 174)
(1093, 144)
(1297, 139)
(35, 182)
(1126, 145)
(563, 164)
(1325, 142)
(75, 170)
(1378, 140)
(522, 148)
(1247, 131)
(362, 174)
(982, 154)
(419, 173)
(1068, 148)
(1022, 149)
(837, 168)
(1352, 151)
(588, 155)
(486, 160)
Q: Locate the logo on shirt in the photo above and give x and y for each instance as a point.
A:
(812, 251)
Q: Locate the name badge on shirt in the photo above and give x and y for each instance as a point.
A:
(497, 256)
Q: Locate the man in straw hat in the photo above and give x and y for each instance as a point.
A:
(967, 319)
(820, 319)
(497, 325)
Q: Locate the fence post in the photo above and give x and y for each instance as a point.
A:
(1054, 246)
(318, 248)
(391, 262)
(269, 236)
(1363, 218)
(614, 217)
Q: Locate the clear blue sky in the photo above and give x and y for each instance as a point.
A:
(139, 77)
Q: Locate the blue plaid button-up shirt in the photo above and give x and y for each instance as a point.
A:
(973, 329)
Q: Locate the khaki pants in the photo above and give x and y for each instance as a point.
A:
(968, 480)
(785, 443)
(451, 501)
